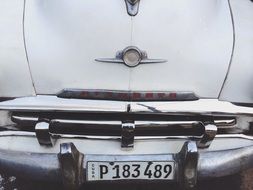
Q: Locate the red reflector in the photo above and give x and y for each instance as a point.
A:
(127, 95)
(173, 95)
(149, 95)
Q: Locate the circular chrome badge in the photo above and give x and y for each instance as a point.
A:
(132, 56)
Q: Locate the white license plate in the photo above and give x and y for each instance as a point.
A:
(130, 170)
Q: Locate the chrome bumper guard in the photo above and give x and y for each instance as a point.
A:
(69, 165)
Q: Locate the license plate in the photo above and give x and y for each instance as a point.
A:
(130, 170)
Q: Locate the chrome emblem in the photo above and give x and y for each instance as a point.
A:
(132, 57)
(132, 7)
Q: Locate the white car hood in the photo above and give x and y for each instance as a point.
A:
(64, 38)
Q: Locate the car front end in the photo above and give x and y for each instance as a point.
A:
(137, 92)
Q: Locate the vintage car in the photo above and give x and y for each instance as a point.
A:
(126, 91)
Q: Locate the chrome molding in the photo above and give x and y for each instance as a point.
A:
(132, 7)
(143, 57)
(118, 138)
(54, 103)
(228, 123)
(24, 119)
(225, 123)
(140, 138)
(199, 107)
(106, 125)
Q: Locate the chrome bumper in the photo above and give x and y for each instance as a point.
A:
(68, 165)
(65, 160)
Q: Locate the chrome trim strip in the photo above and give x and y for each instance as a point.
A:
(137, 123)
(17, 133)
(241, 136)
(225, 123)
(24, 118)
(165, 123)
(200, 107)
(220, 123)
(109, 60)
(88, 122)
(53, 103)
(118, 138)
(147, 61)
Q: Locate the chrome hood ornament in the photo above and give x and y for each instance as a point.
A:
(132, 7)
(131, 56)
